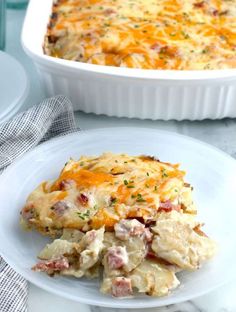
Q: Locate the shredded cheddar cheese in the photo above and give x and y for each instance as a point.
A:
(97, 191)
(148, 34)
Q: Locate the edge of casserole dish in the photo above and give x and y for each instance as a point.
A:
(33, 44)
(128, 92)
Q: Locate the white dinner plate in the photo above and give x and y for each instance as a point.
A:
(210, 171)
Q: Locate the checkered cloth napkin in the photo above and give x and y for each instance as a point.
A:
(53, 117)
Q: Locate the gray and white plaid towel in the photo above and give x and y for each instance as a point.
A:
(53, 117)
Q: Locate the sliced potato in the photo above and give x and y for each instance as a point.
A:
(57, 249)
(177, 242)
(154, 279)
(72, 235)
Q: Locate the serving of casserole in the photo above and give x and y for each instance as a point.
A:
(131, 217)
(195, 45)
(148, 34)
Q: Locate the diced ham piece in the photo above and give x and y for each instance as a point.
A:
(60, 207)
(116, 257)
(137, 230)
(28, 212)
(199, 5)
(121, 287)
(216, 12)
(151, 255)
(167, 206)
(66, 184)
(168, 51)
(147, 235)
(198, 230)
(156, 47)
(126, 228)
(51, 266)
(109, 11)
(83, 199)
(90, 237)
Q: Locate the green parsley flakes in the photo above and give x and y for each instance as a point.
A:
(163, 173)
(140, 199)
(83, 215)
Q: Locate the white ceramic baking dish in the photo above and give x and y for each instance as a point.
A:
(113, 91)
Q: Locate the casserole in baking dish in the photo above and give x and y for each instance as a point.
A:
(130, 92)
(165, 34)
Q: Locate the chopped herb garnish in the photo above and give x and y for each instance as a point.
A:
(80, 215)
(155, 188)
(148, 174)
(207, 66)
(83, 215)
(133, 196)
(82, 163)
(204, 51)
(129, 183)
(140, 198)
(186, 36)
(164, 174)
(125, 162)
(223, 37)
(147, 185)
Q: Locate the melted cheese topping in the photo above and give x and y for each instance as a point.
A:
(148, 34)
(97, 191)
(131, 216)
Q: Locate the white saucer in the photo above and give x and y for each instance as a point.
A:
(14, 86)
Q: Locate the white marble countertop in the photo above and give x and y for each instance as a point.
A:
(220, 133)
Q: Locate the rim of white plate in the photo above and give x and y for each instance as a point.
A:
(102, 302)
